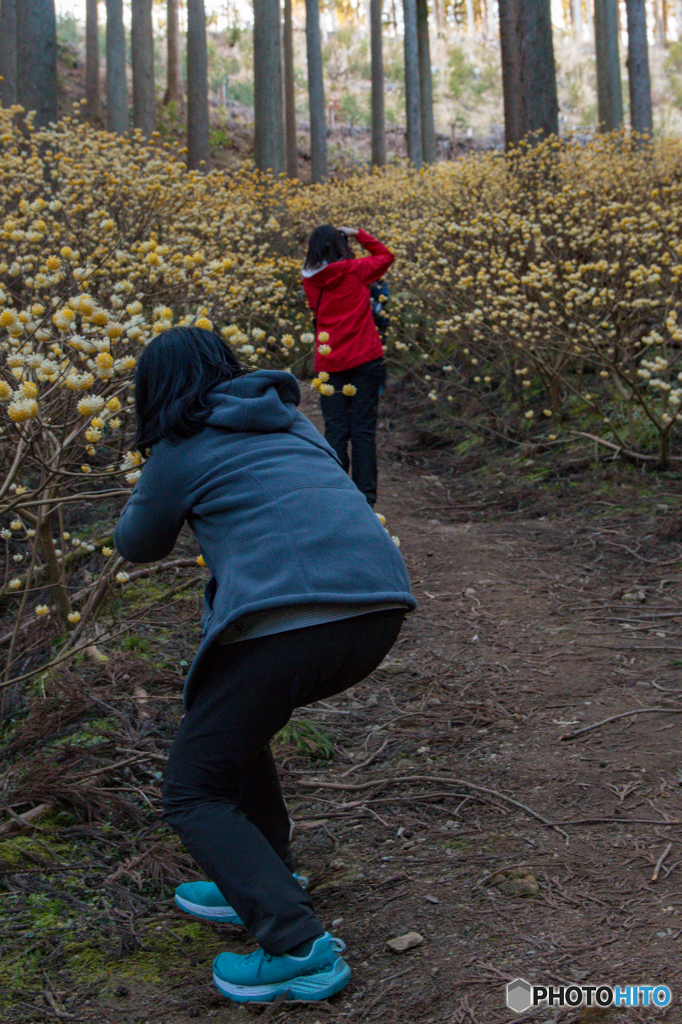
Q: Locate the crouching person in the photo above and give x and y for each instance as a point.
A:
(307, 595)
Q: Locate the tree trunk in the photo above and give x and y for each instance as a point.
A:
(377, 65)
(267, 81)
(609, 88)
(528, 71)
(142, 53)
(174, 92)
(412, 92)
(92, 88)
(37, 59)
(290, 93)
(117, 90)
(8, 52)
(425, 84)
(590, 21)
(641, 116)
(470, 17)
(577, 15)
(198, 147)
(318, 125)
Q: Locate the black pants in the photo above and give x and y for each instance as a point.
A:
(221, 791)
(354, 419)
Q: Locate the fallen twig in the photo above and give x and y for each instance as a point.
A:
(659, 862)
(614, 718)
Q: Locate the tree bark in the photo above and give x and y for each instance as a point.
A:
(289, 93)
(198, 146)
(37, 59)
(470, 18)
(92, 86)
(425, 84)
(174, 91)
(267, 80)
(641, 116)
(318, 125)
(528, 70)
(577, 16)
(412, 91)
(377, 96)
(609, 88)
(117, 89)
(142, 53)
(8, 52)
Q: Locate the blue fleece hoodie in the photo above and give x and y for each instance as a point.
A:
(277, 519)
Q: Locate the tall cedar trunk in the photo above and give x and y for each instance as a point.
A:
(117, 89)
(289, 93)
(318, 126)
(92, 88)
(577, 16)
(528, 71)
(425, 84)
(641, 116)
(589, 20)
(142, 53)
(377, 68)
(412, 92)
(198, 148)
(173, 92)
(8, 52)
(440, 17)
(470, 17)
(678, 18)
(267, 81)
(609, 88)
(37, 59)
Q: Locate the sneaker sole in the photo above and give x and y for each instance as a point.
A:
(307, 987)
(223, 915)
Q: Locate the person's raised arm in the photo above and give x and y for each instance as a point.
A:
(374, 266)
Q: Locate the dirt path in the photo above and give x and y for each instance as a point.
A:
(453, 805)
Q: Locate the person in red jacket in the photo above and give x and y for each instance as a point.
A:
(347, 344)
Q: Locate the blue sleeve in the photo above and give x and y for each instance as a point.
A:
(154, 514)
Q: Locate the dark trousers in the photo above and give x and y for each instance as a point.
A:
(354, 419)
(221, 791)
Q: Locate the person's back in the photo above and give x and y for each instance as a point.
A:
(348, 346)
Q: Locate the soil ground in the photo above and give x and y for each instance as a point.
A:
(455, 802)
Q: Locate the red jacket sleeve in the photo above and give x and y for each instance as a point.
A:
(374, 266)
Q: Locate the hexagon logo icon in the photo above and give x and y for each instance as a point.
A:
(519, 995)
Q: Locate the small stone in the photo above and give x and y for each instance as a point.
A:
(337, 922)
(432, 899)
(636, 596)
(121, 991)
(403, 942)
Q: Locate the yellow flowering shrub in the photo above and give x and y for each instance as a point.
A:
(544, 286)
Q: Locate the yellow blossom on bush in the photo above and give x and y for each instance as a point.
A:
(323, 336)
(201, 561)
(85, 468)
(90, 405)
(14, 584)
(22, 409)
(113, 404)
(79, 381)
(42, 610)
(122, 577)
(349, 390)
(74, 617)
(107, 552)
(327, 389)
(324, 350)
(5, 391)
(28, 389)
(204, 323)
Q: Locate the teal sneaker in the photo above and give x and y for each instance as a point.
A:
(204, 899)
(261, 978)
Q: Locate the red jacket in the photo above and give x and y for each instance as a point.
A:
(344, 312)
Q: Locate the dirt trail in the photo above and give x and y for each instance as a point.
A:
(453, 806)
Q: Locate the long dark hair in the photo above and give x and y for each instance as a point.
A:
(174, 375)
(327, 245)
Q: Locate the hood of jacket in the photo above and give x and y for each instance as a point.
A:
(327, 274)
(261, 402)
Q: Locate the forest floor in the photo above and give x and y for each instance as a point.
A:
(457, 801)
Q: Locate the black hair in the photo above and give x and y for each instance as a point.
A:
(174, 375)
(327, 245)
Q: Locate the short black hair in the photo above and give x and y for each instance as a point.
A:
(174, 375)
(327, 245)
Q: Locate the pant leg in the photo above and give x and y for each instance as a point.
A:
(337, 421)
(260, 798)
(246, 695)
(363, 424)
